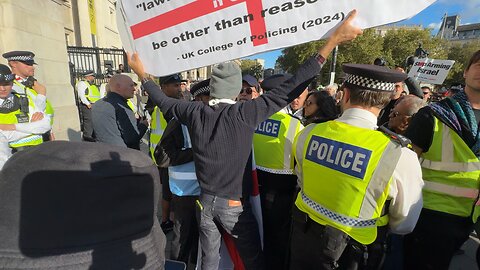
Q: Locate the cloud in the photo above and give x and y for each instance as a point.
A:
(468, 9)
(434, 26)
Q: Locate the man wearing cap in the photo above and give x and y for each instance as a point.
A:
(250, 88)
(88, 93)
(272, 142)
(171, 86)
(113, 121)
(222, 134)
(175, 154)
(20, 124)
(445, 136)
(354, 180)
(22, 65)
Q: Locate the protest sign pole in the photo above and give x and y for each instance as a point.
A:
(333, 65)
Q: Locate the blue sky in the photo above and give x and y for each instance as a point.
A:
(469, 11)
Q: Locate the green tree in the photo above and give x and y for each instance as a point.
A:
(461, 53)
(251, 67)
(402, 43)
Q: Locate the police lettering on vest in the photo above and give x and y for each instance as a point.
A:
(346, 158)
(269, 127)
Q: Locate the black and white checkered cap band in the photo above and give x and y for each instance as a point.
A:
(369, 83)
(20, 58)
(202, 90)
(7, 78)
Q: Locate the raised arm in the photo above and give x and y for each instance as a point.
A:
(258, 110)
(180, 109)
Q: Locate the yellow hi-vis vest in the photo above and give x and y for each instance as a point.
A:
(451, 173)
(131, 105)
(272, 142)
(16, 117)
(93, 94)
(344, 174)
(157, 126)
(32, 94)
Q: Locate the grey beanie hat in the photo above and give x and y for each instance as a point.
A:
(226, 81)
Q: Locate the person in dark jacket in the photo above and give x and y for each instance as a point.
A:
(222, 134)
(113, 120)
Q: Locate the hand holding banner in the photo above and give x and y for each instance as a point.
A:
(177, 35)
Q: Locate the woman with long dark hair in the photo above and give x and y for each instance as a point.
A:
(319, 107)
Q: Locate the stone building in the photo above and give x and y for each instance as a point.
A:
(47, 27)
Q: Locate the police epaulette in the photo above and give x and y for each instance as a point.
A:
(400, 139)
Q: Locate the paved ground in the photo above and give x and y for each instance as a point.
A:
(467, 260)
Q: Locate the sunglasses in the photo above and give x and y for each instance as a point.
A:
(426, 93)
(247, 90)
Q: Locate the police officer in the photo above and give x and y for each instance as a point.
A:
(23, 64)
(354, 180)
(272, 141)
(171, 86)
(20, 124)
(88, 93)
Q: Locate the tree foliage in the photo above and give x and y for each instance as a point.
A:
(251, 67)
(394, 47)
(461, 53)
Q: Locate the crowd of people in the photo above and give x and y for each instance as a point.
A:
(279, 175)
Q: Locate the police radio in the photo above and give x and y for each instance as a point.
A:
(29, 82)
(23, 99)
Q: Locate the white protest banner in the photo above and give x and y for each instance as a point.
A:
(177, 35)
(430, 70)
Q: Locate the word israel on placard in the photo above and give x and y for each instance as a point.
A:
(430, 70)
(176, 35)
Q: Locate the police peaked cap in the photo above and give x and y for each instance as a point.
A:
(88, 73)
(174, 78)
(6, 74)
(25, 57)
(201, 88)
(372, 77)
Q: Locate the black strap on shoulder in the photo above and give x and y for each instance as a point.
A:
(400, 139)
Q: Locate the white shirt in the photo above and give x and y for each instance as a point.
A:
(103, 90)
(22, 130)
(297, 114)
(5, 138)
(40, 100)
(81, 86)
(406, 186)
(38, 127)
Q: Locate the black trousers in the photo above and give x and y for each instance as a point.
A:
(185, 229)
(277, 195)
(435, 239)
(314, 246)
(87, 132)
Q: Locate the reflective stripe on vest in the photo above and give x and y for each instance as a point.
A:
(32, 95)
(157, 126)
(451, 173)
(182, 178)
(345, 179)
(273, 140)
(131, 106)
(339, 218)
